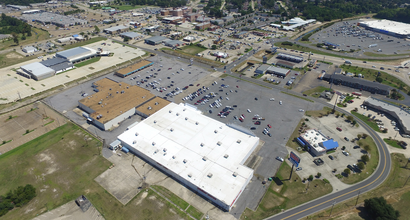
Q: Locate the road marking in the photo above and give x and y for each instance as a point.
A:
(384, 167)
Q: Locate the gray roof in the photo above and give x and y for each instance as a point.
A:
(30, 48)
(262, 68)
(156, 39)
(401, 114)
(37, 69)
(174, 42)
(278, 70)
(242, 33)
(131, 34)
(115, 28)
(356, 80)
(54, 61)
(61, 66)
(74, 52)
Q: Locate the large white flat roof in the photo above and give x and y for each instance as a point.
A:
(315, 137)
(389, 26)
(178, 132)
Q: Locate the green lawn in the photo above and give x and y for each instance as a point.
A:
(370, 166)
(301, 97)
(315, 92)
(11, 58)
(90, 61)
(292, 143)
(348, 98)
(371, 74)
(194, 212)
(193, 49)
(288, 195)
(367, 120)
(83, 43)
(392, 143)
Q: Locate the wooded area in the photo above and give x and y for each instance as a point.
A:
(160, 3)
(10, 25)
(17, 198)
(21, 2)
(402, 15)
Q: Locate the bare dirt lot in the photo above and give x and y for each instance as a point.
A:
(25, 124)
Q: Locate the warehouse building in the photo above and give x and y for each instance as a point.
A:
(113, 102)
(174, 43)
(201, 153)
(29, 49)
(316, 142)
(155, 40)
(36, 71)
(277, 71)
(131, 35)
(77, 54)
(400, 114)
(393, 28)
(46, 18)
(65, 39)
(289, 57)
(58, 64)
(262, 69)
(285, 64)
(152, 106)
(189, 38)
(293, 24)
(126, 71)
(116, 29)
(357, 83)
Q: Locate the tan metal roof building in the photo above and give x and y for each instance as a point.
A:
(126, 71)
(152, 106)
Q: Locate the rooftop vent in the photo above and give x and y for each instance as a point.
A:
(177, 114)
(127, 87)
(210, 175)
(216, 131)
(165, 150)
(134, 142)
(165, 153)
(202, 144)
(226, 155)
(155, 121)
(153, 143)
(196, 123)
(156, 103)
(156, 151)
(171, 129)
(185, 161)
(184, 109)
(189, 175)
(219, 143)
(173, 157)
(136, 134)
(238, 141)
(170, 111)
(186, 118)
(235, 174)
(204, 158)
(149, 108)
(117, 92)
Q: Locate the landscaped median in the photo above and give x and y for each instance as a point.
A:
(366, 120)
(284, 193)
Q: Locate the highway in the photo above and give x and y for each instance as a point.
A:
(309, 208)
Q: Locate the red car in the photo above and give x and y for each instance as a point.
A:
(269, 126)
(169, 68)
(243, 116)
(237, 86)
(254, 118)
(339, 129)
(257, 122)
(240, 119)
(197, 85)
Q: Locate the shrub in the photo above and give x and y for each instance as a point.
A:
(361, 165)
(346, 171)
(326, 181)
(310, 178)
(365, 158)
(318, 175)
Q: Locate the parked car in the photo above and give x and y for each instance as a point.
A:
(299, 168)
(331, 157)
(339, 129)
(345, 153)
(280, 159)
(347, 139)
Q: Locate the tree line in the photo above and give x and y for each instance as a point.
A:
(402, 15)
(21, 2)
(17, 198)
(161, 3)
(9, 25)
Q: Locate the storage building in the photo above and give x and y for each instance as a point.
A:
(37, 71)
(29, 49)
(113, 102)
(174, 43)
(77, 54)
(262, 69)
(277, 71)
(132, 35)
(289, 57)
(126, 71)
(155, 40)
(201, 153)
(285, 64)
(116, 29)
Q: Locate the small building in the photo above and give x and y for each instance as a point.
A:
(131, 35)
(155, 40)
(189, 38)
(126, 71)
(241, 35)
(34, 11)
(262, 69)
(285, 64)
(174, 43)
(202, 26)
(290, 57)
(65, 40)
(37, 71)
(29, 49)
(316, 142)
(277, 71)
(217, 21)
(137, 14)
(116, 29)
(77, 54)
(312, 63)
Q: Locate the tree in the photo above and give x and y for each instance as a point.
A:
(310, 178)
(346, 171)
(354, 122)
(366, 147)
(379, 79)
(350, 118)
(378, 209)
(213, 47)
(318, 175)
(15, 38)
(364, 136)
(365, 158)
(359, 136)
(96, 29)
(361, 165)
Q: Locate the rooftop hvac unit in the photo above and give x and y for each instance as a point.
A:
(184, 109)
(99, 102)
(219, 143)
(185, 161)
(171, 129)
(155, 121)
(204, 158)
(226, 155)
(127, 87)
(149, 108)
(165, 150)
(156, 103)
(170, 111)
(186, 118)
(216, 131)
(177, 114)
(189, 175)
(117, 92)
(202, 144)
(136, 134)
(173, 157)
(120, 84)
(238, 141)
(235, 174)
(196, 123)
(210, 175)
(165, 153)
(153, 143)
(156, 151)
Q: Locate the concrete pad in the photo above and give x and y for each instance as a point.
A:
(71, 210)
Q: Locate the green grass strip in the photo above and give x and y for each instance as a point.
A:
(306, 99)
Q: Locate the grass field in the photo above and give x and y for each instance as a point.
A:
(370, 166)
(371, 54)
(192, 49)
(11, 58)
(301, 97)
(393, 189)
(371, 74)
(315, 92)
(82, 43)
(37, 35)
(62, 165)
(90, 61)
(367, 120)
(194, 212)
(323, 112)
(290, 194)
(392, 143)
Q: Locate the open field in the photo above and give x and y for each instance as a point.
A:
(193, 49)
(324, 111)
(371, 75)
(393, 189)
(370, 166)
(37, 35)
(11, 58)
(285, 193)
(315, 92)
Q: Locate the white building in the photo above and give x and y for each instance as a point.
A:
(77, 54)
(29, 49)
(293, 23)
(203, 154)
(394, 28)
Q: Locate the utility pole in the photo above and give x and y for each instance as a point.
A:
(357, 198)
(291, 171)
(334, 203)
(406, 181)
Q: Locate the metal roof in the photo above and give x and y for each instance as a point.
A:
(115, 28)
(330, 144)
(54, 61)
(75, 53)
(278, 70)
(37, 69)
(131, 34)
(356, 80)
(156, 39)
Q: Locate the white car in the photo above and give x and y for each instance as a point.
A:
(301, 110)
(280, 159)
(280, 102)
(272, 99)
(249, 110)
(345, 153)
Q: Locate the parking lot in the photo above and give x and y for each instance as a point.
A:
(348, 36)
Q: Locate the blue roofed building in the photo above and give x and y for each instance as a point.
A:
(329, 145)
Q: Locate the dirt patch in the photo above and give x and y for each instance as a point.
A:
(273, 201)
(14, 56)
(142, 197)
(152, 198)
